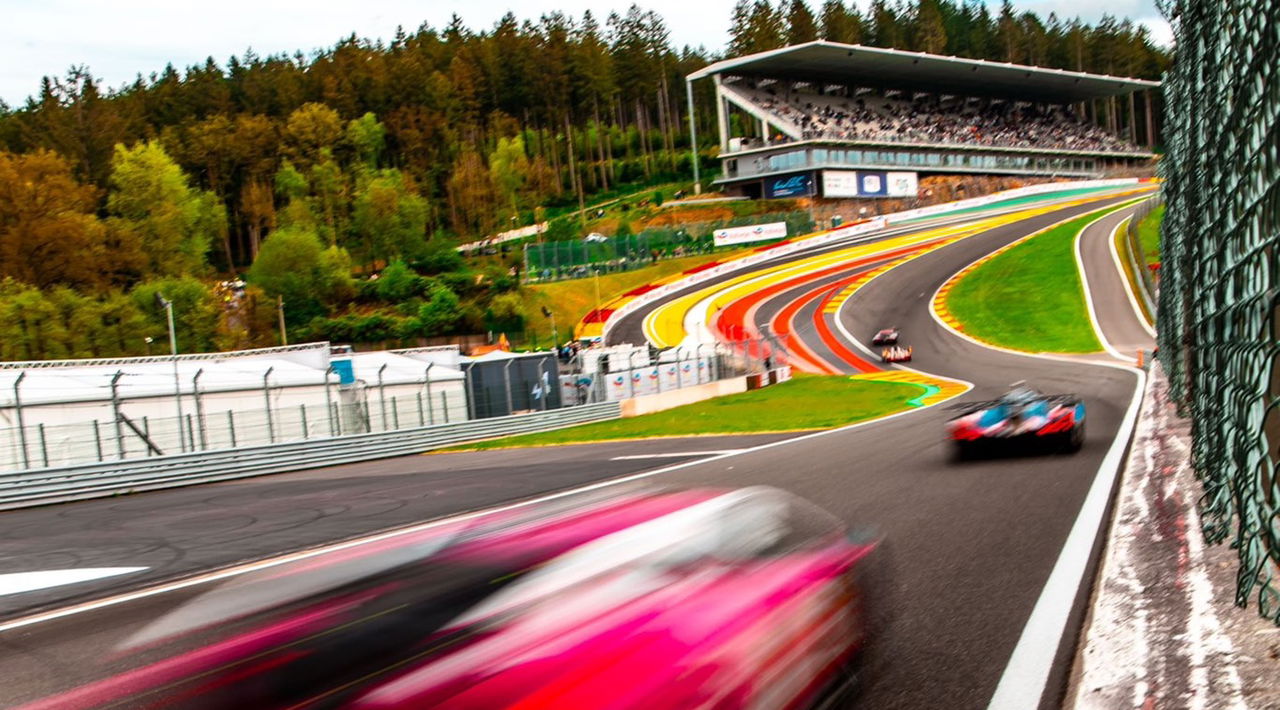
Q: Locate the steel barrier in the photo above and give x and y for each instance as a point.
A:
(54, 485)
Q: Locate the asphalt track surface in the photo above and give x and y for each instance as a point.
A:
(971, 543)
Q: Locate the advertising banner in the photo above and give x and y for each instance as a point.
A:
(839, 183)
(789, 186)
(902, 184)
(750, 233)
(868, 183)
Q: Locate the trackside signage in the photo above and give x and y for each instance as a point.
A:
(868, 183)
(751, 233)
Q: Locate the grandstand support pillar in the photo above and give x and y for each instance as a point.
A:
(722, 116)
(1133, 119)
(693, 137)
(764, 131)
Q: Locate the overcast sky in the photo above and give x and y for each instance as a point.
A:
(119, 39)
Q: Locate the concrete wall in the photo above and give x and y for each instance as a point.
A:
(649, 404)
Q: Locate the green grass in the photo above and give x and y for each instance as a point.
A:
(805, 402)
(1149, 235)
(1030, 297)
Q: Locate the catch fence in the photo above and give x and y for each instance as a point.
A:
(1219, 297)
(580, 258)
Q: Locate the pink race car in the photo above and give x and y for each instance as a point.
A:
(706, 598)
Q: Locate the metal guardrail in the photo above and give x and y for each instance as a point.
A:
(54, 485)
(1133, 252)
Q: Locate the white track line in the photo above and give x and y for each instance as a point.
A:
(1024, 679)
(1128, 285)
(19, 582)
(306, 554)
(1088, 295)
(676, 455)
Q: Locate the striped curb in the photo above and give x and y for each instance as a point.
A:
(944, 388)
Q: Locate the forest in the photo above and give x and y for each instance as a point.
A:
(310, 175)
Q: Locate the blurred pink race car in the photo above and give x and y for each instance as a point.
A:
(747, 598)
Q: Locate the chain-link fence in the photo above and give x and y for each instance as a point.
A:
(1219, 322)
(573, 259)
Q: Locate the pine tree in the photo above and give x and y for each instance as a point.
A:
(801, 27)
(840, 23)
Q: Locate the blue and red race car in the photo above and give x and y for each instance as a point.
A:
(1022, 416)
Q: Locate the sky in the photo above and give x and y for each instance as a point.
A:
(119, 39)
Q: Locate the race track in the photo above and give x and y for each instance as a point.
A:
(972, 544)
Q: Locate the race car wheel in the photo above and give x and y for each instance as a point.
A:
(1075, 438)
(961, 451)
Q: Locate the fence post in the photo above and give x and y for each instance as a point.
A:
(422, 419)
(195, 394)
(22, 427)
(431, 416)
(395, 414)
(115, 409)
(191, 435)
(382, 397)
(231, 426)
(266, 396)
(506, 384)
(444, 400)
(97, 440)
(305, 433)
(328, 402)
(679, 378)
(44, 446)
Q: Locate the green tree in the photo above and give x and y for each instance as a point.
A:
(368, 138)
(509, 167)
(311, 131)
(389, 218)
(151, 202)
(295, 265)
(801, 26)
(442, 313)
(840, 24)
(931, 34)
(195, 312)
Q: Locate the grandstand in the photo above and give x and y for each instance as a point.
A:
(837, 120)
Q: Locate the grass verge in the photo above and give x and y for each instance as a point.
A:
(1029, 297)
(1149, 235)
(805, 402)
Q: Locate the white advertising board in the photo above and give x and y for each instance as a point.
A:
(902, 184)
(750, 233)
(868, 183)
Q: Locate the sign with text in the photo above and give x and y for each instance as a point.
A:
(789, 186)
(750, 233)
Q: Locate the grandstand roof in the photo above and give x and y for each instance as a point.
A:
(874, 67)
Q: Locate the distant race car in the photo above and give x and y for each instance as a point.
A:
(1022, 415)
(888, 336)
(896, 353)
(749, 598)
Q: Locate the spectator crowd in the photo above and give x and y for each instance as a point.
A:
(933, 120)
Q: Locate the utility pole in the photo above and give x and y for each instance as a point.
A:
(284, 336)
